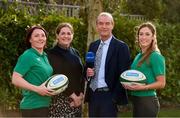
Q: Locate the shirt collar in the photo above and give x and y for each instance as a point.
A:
(37, 53)
(107, 42)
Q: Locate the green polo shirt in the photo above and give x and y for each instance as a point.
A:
(152, 68)
(35, 69)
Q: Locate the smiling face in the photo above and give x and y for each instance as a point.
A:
(145, 37)
(65, 37)
(38, 39)
(104, 26)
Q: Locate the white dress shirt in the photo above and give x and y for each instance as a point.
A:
(101, 76)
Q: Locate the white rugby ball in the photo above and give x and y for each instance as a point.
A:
(133, 76)
(58, 83)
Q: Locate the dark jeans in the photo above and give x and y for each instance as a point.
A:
(39, 112)
(145, 106)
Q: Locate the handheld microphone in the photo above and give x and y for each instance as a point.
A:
(90, 59)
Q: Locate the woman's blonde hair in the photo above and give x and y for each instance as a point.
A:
(153, 46)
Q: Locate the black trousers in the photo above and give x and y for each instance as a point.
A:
(39, 112)
(146, 106)
(102, 105)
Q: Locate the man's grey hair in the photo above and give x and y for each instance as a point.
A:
(105, 14)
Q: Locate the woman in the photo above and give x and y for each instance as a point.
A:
(65, 60)
(150, 62)
(30, 73)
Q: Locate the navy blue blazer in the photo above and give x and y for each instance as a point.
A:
(117, 61)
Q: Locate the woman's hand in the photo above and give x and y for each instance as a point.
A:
(76, 100)
(19, 81)
(135, 86)
(158, 84)
(43, 90)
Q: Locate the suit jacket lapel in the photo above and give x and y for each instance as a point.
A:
(110, 50)
(95, 47)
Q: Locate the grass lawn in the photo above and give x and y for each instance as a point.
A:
(164, 112)
(125, 112)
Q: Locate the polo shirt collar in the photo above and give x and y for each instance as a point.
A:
(37, 53)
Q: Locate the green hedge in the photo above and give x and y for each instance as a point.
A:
(13, 25)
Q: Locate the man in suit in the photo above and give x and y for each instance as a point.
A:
(104, 91)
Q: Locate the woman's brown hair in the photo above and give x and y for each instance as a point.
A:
(30, 31)
(153, 46)
(61, 25)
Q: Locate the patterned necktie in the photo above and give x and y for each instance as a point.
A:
(98, 58)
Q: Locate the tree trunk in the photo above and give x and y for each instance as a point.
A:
(90, 11)
(93, 8)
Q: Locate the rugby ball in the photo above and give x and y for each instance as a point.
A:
(132, 77)
(58, 83)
